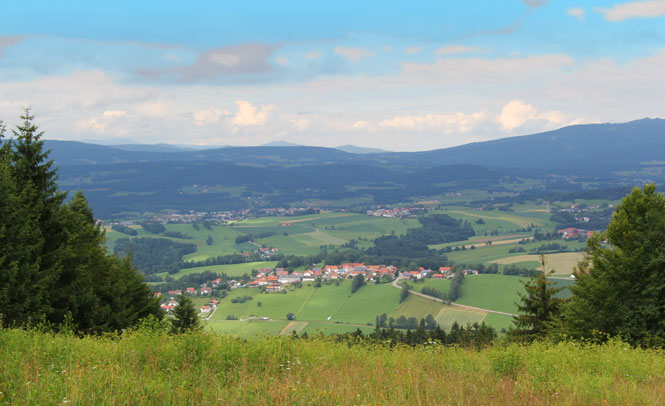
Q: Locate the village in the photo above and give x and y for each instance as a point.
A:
(269, 280)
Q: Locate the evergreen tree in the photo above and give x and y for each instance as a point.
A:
(538, 307)
(186, 316)
(53, 262)
(357, 282)
(620, 287)
(39, 199)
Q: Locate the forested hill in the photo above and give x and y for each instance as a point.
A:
(586, 148)
(580, 148)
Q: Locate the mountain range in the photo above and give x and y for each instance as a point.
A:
(593, 148)
(133, 178)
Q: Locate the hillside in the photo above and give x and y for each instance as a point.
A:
(593, 148)
(148, 366)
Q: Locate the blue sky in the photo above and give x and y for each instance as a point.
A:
(391, 74)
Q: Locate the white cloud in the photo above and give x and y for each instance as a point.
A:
(313, 55)
(361, 125)
(577, 12)
(208, 116)
(354, 54)
(516, 113)
(249, 115)
(412, 50)
(455, 122)
(635, 9)
(114, 113)
(301, 124)
(457, 49)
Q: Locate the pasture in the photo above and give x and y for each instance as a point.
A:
(233, 270)
(562, 263)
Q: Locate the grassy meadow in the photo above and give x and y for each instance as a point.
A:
(149, 367)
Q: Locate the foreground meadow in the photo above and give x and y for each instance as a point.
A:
(150, 367)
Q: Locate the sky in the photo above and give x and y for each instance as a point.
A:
(396, 75)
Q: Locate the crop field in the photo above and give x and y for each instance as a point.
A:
(562, 263)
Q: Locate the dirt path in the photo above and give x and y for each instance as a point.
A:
(436, 299)
(298, 326)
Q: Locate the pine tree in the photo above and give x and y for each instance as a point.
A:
(185, 316)
(538, 307)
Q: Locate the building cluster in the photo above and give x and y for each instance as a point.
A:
(391, 212)
(274, 280)
(571, 233)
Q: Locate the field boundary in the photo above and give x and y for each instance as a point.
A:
(436, 299)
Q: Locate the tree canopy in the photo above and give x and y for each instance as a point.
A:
(620, 287)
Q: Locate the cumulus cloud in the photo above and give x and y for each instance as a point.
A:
(361, 125)
(516, 113)
(249, 115)
(455, 122)
(635, 9)
(313, 55)
(577, 12)
(354, 54)
(208, 116)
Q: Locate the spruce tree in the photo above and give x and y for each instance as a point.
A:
(53, 262)
(538, 307)
(186, 316)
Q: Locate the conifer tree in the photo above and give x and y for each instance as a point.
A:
(538, 307)
(185, 316)
(620, 287)
(53, 262)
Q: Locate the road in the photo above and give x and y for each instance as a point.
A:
(436, 299)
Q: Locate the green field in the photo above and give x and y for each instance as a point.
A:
(562, 263)
(223, 239)
(328, 303)
(493, 292)
(233, 270)
(248, 328)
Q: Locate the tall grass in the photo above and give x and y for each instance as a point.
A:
(150, 367)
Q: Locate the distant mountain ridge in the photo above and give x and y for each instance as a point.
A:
(589, 147)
